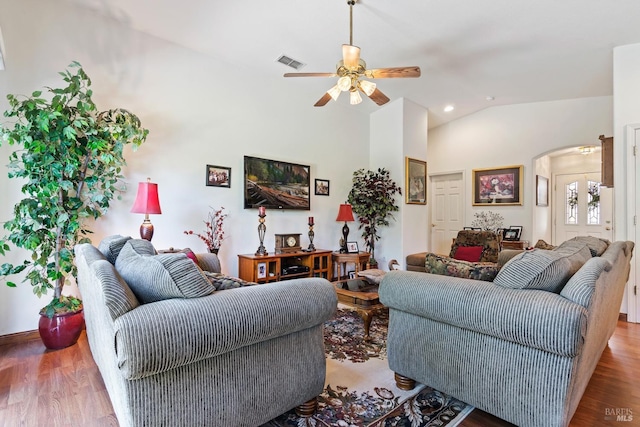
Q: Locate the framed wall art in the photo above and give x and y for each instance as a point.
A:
(218, 176)
(542, 191)
(322, 187)
(415, 176)
(275, 184)
(498, 186)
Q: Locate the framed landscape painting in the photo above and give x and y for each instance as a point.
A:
(498, 186)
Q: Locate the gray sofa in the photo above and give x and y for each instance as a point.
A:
(236, 357)
(522, 347)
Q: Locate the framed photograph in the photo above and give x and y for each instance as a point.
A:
(512, 233)
(542, 191)
(415, 185)
(352, 247)
(262, 270)
(352, 275)
(497, 186)
(275, 184)
(218, 176)
(322, 187)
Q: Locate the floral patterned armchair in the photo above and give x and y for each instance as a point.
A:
(474, 255)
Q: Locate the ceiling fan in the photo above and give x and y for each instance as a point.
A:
(351, 68)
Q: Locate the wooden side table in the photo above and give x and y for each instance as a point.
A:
(340, 261)
(515, 244)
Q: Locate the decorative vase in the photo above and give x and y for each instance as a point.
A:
(214, 250)
(62, 330)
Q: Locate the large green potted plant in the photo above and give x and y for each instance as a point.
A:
(372, 198)
(69, 161)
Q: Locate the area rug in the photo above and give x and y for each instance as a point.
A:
(360, 390)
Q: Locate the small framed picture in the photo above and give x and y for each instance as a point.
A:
(322, 187)
(218, 176)
(542, 191)
(262, 270)
(512, 233)
(352, 275)
(352, 247)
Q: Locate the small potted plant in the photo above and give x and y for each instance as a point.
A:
(69, 162)
(213, 234)
(372, 198)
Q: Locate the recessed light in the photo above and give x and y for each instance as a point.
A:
(490, 98)
(448, 108)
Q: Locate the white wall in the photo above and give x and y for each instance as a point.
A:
(397, 131)
(199, 111)
(514, 135)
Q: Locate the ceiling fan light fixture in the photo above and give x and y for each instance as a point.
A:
(355, 98)
(344, 83)
(334, 92)
(367, 87)
(351, 56)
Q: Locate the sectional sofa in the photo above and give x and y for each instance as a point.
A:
(522, 347)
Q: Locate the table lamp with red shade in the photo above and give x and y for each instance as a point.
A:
(147, 202)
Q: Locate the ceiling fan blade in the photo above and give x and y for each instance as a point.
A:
(310, 75)
(378, 97)
(350, 56)
(323, 101)
(394, 72)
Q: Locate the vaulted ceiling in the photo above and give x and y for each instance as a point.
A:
(469, 51)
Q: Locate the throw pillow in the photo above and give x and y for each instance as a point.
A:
(159, 277)
(111, 246)
(222, 282)
(438, 264)
(373, 275)
(596, 245)
(468, 253)
(535, 269)
(191, 255)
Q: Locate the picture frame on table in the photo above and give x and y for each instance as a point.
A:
(262, 270)
(321, 187)
(352, 247)
(218, 176)
(415, 181)
(498, 186)
(512, 233)
(542, 191)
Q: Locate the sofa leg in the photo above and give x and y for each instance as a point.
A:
(308, 408)
(404, 383)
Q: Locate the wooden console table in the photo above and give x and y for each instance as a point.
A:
(515, 244)
(269, 268)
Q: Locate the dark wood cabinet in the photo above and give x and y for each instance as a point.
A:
(607, 161)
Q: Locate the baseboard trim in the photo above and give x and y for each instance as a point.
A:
(622, 317)
(19, 337)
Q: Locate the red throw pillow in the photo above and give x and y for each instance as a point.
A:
(468, 253)
(189, 253)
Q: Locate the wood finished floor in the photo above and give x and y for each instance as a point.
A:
(64, 388)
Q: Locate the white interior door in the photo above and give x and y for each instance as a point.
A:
(447, 201)
(578, 212)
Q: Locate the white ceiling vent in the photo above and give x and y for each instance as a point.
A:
(290, 62)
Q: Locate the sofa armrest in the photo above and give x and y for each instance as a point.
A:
(209, 262)
(533, 318)
(163, 335)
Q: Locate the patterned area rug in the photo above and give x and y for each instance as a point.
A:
(360, 390)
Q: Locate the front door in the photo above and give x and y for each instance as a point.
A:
(582, 207)
(447, 201)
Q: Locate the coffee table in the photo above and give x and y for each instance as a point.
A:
(365, 302)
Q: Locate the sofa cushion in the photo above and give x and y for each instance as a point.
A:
(576, 252)
(190, 254)
(159, 277)
(468, 253)
(596, 245)
(110, 246)
(535, 269)
(438, 264)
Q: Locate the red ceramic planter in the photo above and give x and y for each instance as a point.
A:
(62, 330)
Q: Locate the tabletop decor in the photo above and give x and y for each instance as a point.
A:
(214, 231)
(311, 247)
(498, 186)
(262, 229)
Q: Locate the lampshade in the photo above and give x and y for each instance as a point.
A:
(147, 200)
(344, 83)
(355, 97)
(334, 92)
(345, 213)
(367, 87)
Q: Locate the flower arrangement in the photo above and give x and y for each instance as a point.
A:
(489, 221)
(214, 233)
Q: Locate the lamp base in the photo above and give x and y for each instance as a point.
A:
(343, 241)
(146, 230)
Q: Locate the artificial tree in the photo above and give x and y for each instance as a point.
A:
(70, 161)
(372, 198)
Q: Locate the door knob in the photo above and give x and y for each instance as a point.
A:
(607, 228)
